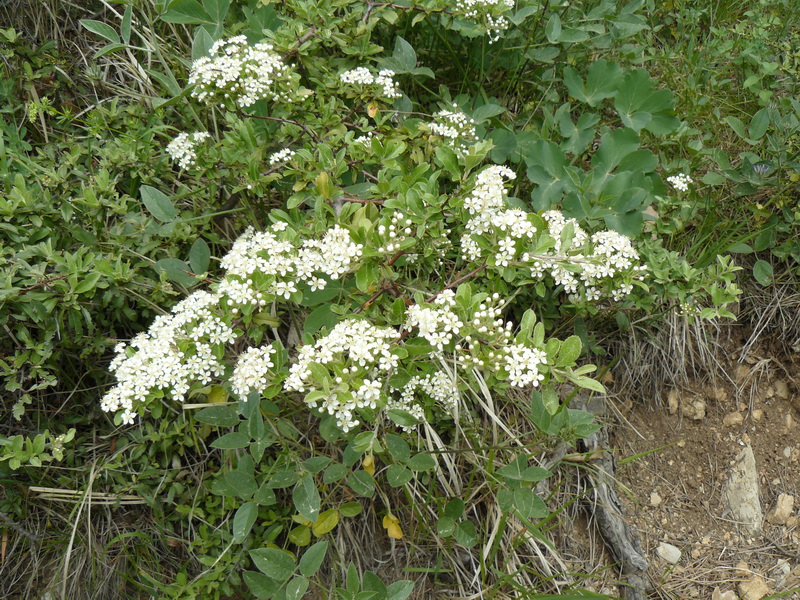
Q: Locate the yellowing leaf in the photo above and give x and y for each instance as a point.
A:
(217, 394)
(372, 109)
(392, 526)
(368, 464)
(326, 521)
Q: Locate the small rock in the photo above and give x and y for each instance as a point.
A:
(758, 414)
(791, 522)
(754, 589)
(732, 419)
(655, 499)
(672, 401)
(742, 568)
(789, 422)
(717, 594)
(740, 493)
(787, 452)
(694, 409)
(781, 389)
(782, 511)
(669, 553)
(741, 373)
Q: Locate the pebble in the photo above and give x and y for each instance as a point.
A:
(782, 511)
(668, 552)
(732, 419)
(717, 594)
(754, 589)
(655, 499)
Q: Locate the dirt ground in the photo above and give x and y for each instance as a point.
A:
(675, 453)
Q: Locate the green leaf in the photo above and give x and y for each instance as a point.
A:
(363, 441)
(614, 147)
(265, 496)
(336, 472)
(243, 521)
(260, 585)
(570, 351)
(553, 28)
(217, 9)
(320, 317)
(187, 12)
(159, 205)
(177, 271)
(405, 55)
(397, 447)
(399, 590)
(637, 103)
(402, 417)
(445, 526)
(398, 475)
(199, 256)
(102, 29)
(242, 483)
(274, 563)
(448, 159)
(759, 124)
(306, 498)
(454, 508)
(550, 400)
(125, 27)
(231, 441)
(296, 588)
(466, 534)
(312, 558)
(762, 271)
(486, 112)
(421, 462)
(529, 505)
(220, 416)
(602, 81)
(737, 126)
(362, 483)
(351, 509)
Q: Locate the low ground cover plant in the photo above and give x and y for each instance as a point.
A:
(346, 252)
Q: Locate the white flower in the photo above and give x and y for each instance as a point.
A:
(456, 127)
(680, 182)
(281, 156)
(183, 149)
(252, 371)
(383, 84)
(241, 73)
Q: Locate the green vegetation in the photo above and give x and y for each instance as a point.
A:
(384, 328)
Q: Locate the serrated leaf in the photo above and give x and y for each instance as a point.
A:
(243, 521)
(159, 205)
(602, 81)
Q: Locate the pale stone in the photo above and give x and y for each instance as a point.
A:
(668, 552)
(758, 414)
(741, 491)
(732, 419)
(754, 589)
(672, 401)
(781, 389)
(718, 594)
(655, 499)
(694, 408)
(782, 511)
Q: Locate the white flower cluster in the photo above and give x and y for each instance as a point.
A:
(365, 350)
(250, 373)
(680, 182)
(183, 149)
(362, 77)
(489, 215)
(176, 351)
(437, 325)
(281, 156)
(395, 233)
(601, 257)
(522, 364)
(263, 253)
(456, 127)
(236, 71)
(439, 387)
(488, 13)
